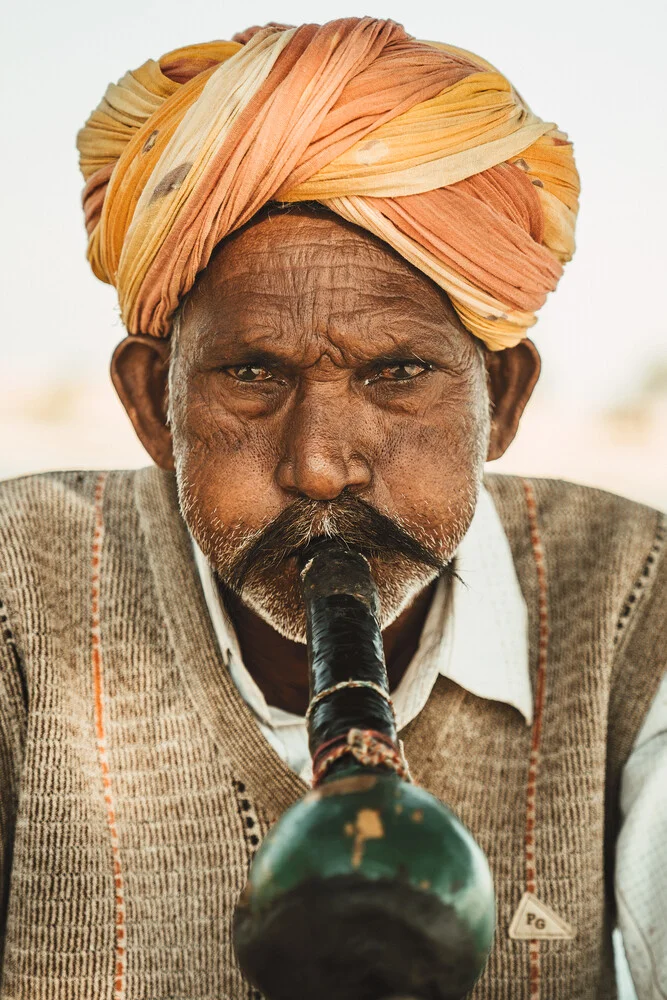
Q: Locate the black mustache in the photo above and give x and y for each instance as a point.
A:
(352, 520)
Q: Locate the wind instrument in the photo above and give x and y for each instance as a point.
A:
(369, 887)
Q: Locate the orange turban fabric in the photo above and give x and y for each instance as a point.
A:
(422, 144)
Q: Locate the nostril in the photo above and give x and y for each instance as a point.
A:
(322, 475)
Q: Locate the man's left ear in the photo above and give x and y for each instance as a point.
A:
(512, 375)
(139, 372)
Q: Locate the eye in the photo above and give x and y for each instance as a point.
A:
(402, 371)
(249, 373)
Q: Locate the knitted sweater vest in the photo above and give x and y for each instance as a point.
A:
(136, 785)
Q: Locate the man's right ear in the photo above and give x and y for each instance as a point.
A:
(139, 372)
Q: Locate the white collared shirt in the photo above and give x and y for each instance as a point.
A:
(492, 662)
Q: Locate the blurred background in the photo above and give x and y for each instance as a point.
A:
(597, 69)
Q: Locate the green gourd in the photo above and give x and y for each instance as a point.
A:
(369, 888)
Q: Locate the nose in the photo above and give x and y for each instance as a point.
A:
(323, 451)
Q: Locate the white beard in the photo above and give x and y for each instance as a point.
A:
(275, 594)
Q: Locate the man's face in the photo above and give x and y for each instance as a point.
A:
(314, 368)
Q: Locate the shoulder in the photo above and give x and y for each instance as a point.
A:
(22, 497)
(50, 527)
(36, 514)
(603, 555)
(42, 509)
(47, 522)
(564, 505)
(604, 565)
(579, 525)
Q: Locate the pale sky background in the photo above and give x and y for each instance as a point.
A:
(595, 68)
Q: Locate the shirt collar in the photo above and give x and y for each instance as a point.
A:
(476, 631)
(227, 640)
(486, 636)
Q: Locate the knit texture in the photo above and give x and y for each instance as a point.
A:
(136, 786)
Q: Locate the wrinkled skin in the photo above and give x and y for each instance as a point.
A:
(311, 359)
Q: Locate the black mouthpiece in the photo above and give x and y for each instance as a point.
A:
(328, 567)
(344, 644)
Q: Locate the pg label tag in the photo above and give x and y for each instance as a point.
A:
(534, 920)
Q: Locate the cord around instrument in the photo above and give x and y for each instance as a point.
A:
(340, 686)
(367, 746)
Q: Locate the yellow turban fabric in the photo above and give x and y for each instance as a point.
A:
(422, 144)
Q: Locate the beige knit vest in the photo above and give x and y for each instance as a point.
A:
(136, 785)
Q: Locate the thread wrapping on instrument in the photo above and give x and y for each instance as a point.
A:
(340, 686)
(368, 747)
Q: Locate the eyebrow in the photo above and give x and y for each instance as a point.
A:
(240, 354)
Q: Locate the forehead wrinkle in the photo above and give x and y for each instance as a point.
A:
(308, 286)
(311, 243)
(303, 243)
(315, 289)
(372, 328)
(308, 348)
(257, 241)
(278, 313)
(346, 274)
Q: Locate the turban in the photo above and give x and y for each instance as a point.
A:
(424, 145)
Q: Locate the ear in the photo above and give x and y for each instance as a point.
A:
(139, 372)
(512, 375)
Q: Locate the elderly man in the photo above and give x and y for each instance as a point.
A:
(328, 244)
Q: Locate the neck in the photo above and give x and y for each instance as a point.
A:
(280, 667)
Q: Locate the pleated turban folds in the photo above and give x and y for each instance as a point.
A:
(422, 144)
